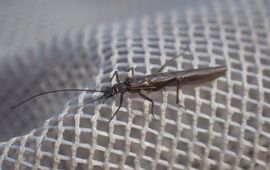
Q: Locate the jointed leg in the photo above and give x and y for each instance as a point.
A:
(116, 75)
(121, 101)
(177, 92)
(150, 100)
(169, 61)
(132, 71)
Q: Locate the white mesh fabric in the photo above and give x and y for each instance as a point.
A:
(225, 123)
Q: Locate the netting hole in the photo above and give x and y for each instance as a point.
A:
(151, 137)
(65, 148)
(46, 161)
(221, 113)
(96, 167)
(236, 102)
(135, 133)
(115, 158)
(47, 144)
(205, 109)
(130, 161)
(161, 166)
(166, 154)
(155, 125)
(103, 141)
(139, 120)
(182, 159)
(203, 123)
(122, 116)
(119, 145)
(103, 126)
(172, 111)
(171, 129)
(119, 129)
(105, 112)
(86, 137)
(99, 155)
(8, 164)
(218, 126)
(83, 152)
(190, 104)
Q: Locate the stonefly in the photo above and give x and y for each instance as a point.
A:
(149, 83)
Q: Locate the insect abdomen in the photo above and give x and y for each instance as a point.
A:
(198, 76)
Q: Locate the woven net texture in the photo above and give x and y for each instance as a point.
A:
(225, 123)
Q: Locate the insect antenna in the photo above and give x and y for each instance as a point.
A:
(54, 91)
(84, 104)
(171, 60)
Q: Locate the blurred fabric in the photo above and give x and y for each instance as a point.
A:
(25, 23)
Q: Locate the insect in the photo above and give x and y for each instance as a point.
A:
(149, 83)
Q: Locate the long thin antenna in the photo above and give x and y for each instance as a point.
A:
(53, 91)
(169, 61)
(84, 104)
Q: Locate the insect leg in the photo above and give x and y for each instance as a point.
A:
(171, 60)
(121, 101)
(150, 100)
(116, 75)
(177, 92)
(132, 71)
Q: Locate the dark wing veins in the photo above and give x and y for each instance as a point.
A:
(152, 82)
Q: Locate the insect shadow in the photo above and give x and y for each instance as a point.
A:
(149, 83)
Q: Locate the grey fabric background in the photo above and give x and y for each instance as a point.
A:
(24, 23)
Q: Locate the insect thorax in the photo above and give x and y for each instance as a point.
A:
(119, 88)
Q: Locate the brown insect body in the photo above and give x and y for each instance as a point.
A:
(153, 82)
(185, 77)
